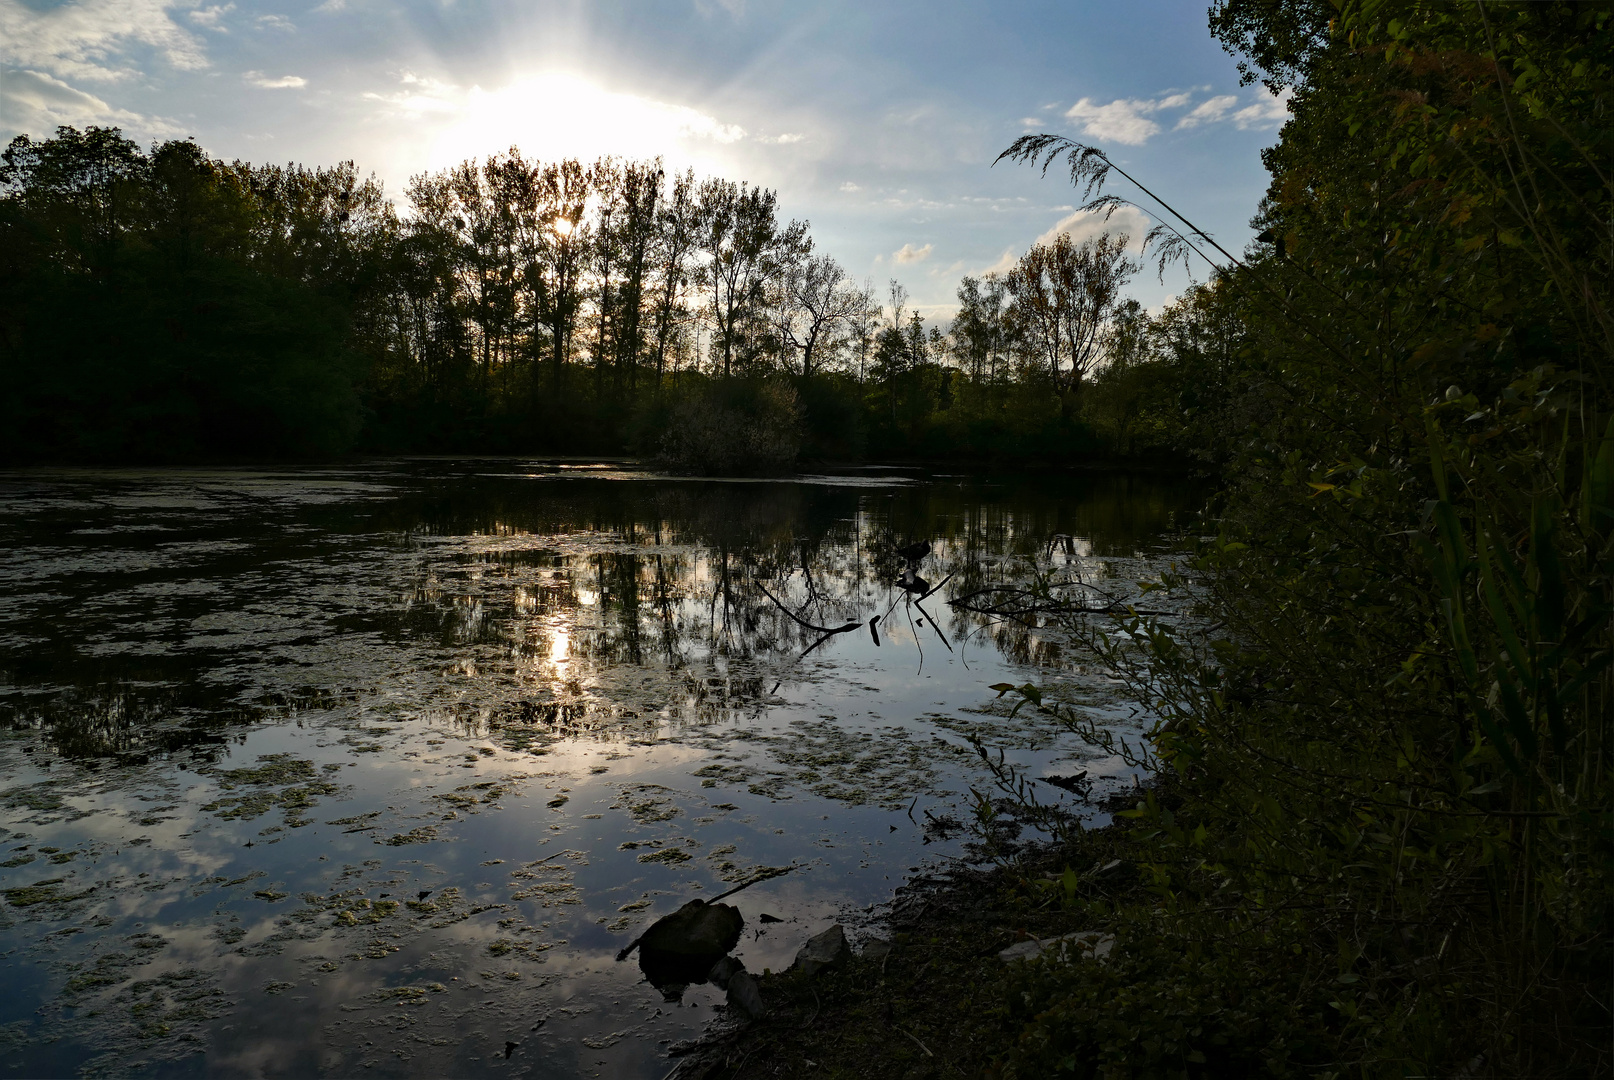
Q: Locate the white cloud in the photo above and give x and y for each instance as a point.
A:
(1124, 120)
(1209, 111)
(850, 187)
(1271, 111)
(36, 104)
(275, 22)
(1005, 263)
(211, 17)
(910, 254)
(1084, 225)
(285, 82)
(1130, 121)
(89, 39)
(782, 140)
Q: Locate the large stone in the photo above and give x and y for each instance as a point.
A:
(1083, 944)
(681, 948)
(823, 950)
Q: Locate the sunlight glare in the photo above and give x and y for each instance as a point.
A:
(559, 115)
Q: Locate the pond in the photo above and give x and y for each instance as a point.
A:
(375, 769)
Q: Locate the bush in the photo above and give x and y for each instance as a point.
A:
(745, 426)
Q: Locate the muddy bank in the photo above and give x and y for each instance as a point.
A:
(923, 991)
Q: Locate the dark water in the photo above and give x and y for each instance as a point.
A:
(374, 769)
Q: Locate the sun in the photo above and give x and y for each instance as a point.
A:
(556, 115)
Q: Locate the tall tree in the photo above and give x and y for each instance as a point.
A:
(815, 299)
(1063, 295)
(563, 190)
(744, 243)
(677, 234)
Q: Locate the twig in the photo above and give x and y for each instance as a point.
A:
(803, 622)
(766, 875)
(915, 1038)
(933, 626)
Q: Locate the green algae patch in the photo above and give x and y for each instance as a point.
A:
(297, 780)
(648, 803)
(275, 769)
(42, 892)
(423, 834)
(39, 799)
(548, 881)
(667, 856)
(112, 968)
(365, 911)
(440, 901)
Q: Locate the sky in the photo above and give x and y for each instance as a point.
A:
(877, 122)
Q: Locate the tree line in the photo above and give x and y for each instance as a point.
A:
(166, 305)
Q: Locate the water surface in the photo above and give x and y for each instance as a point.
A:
(374, 769)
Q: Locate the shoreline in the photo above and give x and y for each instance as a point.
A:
(924, 996)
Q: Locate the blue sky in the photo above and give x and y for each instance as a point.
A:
(876, 122)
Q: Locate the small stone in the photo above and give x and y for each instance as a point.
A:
(823, 950)
(745, 995)
(1079, 945)
(724, 970)
(877, 950)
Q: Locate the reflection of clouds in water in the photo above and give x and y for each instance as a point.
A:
(488, 667)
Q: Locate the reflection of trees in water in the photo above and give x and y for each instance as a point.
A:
(729, 594)
(126, 713)
(578, 605)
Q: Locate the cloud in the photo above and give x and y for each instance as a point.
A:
(707, 9)
(36, 104)
(850, 187)
(275, 22)
(1269, 112)
(1209, 111)
(1084, 225)
(1124, 120)
(1130, 121)
(211, 17)
(910, 254)
(89, 39)
(1005, 263)
(781, 140)
(285, 82)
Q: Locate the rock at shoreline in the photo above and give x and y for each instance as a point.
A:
(823, 950)
(745, 995)
(724, 970)
(1081, 944)
(682, 947)
(876, 950)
